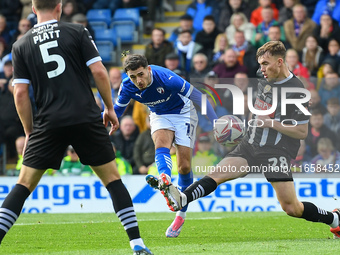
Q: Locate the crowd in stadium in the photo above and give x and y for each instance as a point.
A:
(216, 42)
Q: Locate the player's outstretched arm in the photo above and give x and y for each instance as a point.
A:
(102, 81)
(196, 97)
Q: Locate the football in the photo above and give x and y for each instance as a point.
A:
(229, 130)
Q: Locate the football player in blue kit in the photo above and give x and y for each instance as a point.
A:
(173, 119)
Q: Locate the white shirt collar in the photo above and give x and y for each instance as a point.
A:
(46, 22)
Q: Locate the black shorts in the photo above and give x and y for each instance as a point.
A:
(46, 149)
(273, 162)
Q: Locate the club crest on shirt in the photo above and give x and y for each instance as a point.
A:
(266, 89)
(160, 90)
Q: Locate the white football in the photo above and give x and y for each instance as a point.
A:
(229, 130)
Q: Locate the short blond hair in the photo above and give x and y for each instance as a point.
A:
(325, 143)
(273, 48)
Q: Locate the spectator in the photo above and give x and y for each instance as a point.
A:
(238, 21)
(316, 102)
(230, 65)
(150, 17)
(333, 50)
(221, 45)
(310, 6)
(123, 166)
(246, 53)
(204, 156)
(185, 23)
(326, 30)
(6, 75)
(312, 55)
(186, 48)
(207, 36)
(294, 65)
(3, 54)
(276, 33)
(71, 165)
(328, 157)
(201, 67)
(4, 31)
(144, 150)
(85, 5)
(158, 48)
(172, 61)
(286, 12)
(70, 8)
(80, 18)
(125, 139)
(242, 81)
(260, 35)
(23, 26)
(9, 119)
(19, 145)
(229, 8)
(139, 114)
(329, 65)
(317, 130)
(332, 118)
(256, 15)
(115, 77)
(26, 8)
(330, 87)
(332, 7)
(299, 27)
(11, 9)
(113, 5)
(198, 9)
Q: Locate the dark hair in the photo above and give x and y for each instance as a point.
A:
(184, 31)
(316, 111)
(45, 4)
(274, 48)
(135, 61)
(239, 31)
(276, 26)
(333, 101)
(209, 17)
(159, 29)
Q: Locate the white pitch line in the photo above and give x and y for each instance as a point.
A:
(96, 222)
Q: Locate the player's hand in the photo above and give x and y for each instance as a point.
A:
(109, 115)
(264, 121)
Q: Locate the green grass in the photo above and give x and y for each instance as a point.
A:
(203, 233)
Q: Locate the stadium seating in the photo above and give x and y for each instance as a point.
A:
(99, 15)
(109, 45)
(126, 31)
(98, 25)
(128, 24)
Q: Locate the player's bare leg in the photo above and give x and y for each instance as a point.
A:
(185, 179)
(286, 195)
(14, 202)
(122, 204)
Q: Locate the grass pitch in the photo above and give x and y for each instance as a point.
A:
(202, 233)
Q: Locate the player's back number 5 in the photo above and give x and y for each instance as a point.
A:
(47, 58)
